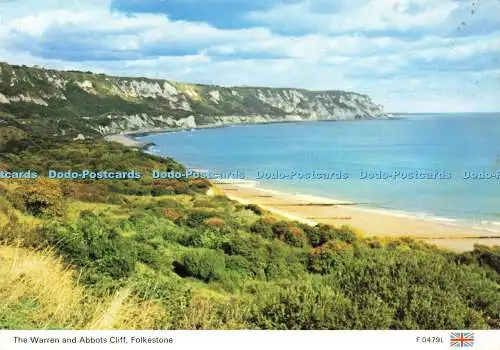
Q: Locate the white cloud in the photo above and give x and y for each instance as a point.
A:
(367, 15)
(150, 32)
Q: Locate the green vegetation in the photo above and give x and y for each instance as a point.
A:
(193, 261)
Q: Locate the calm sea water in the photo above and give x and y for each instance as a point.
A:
(450, 145)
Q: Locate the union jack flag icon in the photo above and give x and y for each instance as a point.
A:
(462, 340)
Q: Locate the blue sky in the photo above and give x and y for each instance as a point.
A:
(409, 55)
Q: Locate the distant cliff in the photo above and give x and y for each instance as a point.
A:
(83, 103)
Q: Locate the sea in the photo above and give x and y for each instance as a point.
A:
(440, 167)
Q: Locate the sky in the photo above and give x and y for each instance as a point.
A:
(408, 55)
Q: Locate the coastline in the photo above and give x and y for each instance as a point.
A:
(312, 210)
(125, 140)
(128, 138)
(372, 222)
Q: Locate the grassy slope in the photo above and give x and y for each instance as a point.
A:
(166, 255)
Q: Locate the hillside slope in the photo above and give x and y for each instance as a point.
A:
(170, 254)
(96, 104)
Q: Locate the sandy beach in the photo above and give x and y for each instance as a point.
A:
(313, 210)
(124, 140)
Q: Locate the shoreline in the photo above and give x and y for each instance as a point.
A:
(371, 222)
(451, 234)
(128, 138)
(125, 140)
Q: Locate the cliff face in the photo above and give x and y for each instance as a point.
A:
(86, 103)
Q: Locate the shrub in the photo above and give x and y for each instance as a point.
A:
(16, 231)
(488, 256)
(254, 248)
(39, 197)
(290, 233)
(204, 203)
(173, 214)
(255, 208)
(87, 192)
(263, 228)
(204, 264)
(199, 184)
(300, 305)
(196, 217)
(373, 242)
(168, 203)
(280, 229)
(169, 186)
(214, 222)
(295, 237)
(323, 233)
(3, 190)
(170, 232)
(283, 262)
(327, 257)
(201, 239)
(67, 188)
(161, 187)
(239, 265)
(150, 256)
(180, 187)
(90, 243)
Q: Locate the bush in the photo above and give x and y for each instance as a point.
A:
(89, 243)
(488, 256)
(67, 188)
(239, 265)
(283, 262)
(204, 203)
(263, 228)
(151, 256)
(204, 264)
(322, 233)
(286, 231)
(215, 222)
(174, 215)
(300, 305)
(201, 239)
(87, 191)
(180, 187)
(280, 229)
(169, 186)
(3, 190)
(15, 231)
(168, 203)
(255, 208)
(199, 185)
(329, 256)
(253, 248)
(196, 217)
(40, 197)
(295, 237)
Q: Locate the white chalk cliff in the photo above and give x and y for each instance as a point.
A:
(109, 105)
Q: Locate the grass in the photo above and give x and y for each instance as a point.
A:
(38, 291)
(76, 207)
(39, 287)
